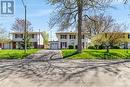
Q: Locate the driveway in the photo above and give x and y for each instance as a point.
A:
(65, 73)
(46, 55)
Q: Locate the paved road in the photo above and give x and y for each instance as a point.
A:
(65, 73)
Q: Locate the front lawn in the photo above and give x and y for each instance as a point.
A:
(97, 54)
(15, 54)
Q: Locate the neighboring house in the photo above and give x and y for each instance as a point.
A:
(36, 40)
(17, 39)
(54, 45)
(6, 45)
(66, 39)
(126, 40)
(122, 37)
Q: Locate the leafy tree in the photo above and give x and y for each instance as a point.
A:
(110, 38)
(28, 38)
(73, 12)
(19, 25)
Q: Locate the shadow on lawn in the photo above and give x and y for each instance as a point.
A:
(71, 54)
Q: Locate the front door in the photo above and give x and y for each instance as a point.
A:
(14, 45)
(0, 45)
(63, 45)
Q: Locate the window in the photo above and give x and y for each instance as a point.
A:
(18, 35)
(82, 36)
(32, 35)
(83, 44)
(63, 37)
(129, 36)
(123, 35)
(21, 35)
(72, 36)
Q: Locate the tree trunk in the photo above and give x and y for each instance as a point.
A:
(80, 9)
(107, 49)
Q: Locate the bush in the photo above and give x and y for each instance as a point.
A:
(101, 47)
(71, 47)
(76, 46)
(91, 47)
(115, 47)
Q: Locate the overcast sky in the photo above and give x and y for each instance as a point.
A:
(38, 13)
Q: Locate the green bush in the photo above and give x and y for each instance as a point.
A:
(101, 47)
(76, 46)
(71, 47)
(91, 47)
(115, 47)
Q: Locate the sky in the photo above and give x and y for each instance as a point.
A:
(38, 13)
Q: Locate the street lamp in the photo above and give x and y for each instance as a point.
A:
(25, 27)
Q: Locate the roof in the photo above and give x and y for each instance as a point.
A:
(68, 32)
(53, 41)
(28, 33)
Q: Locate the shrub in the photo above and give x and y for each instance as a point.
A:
(76, 46)
(91, 47)
(71, 47)
(115, 47)
(101, 47)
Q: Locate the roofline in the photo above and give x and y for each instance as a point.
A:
(68, 32)
(23, 32)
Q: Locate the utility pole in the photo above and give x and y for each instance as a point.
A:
(25, 32)
(25, 27)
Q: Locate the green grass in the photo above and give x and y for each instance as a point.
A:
(15, 54)
(97, 54)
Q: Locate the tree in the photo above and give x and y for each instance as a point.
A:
(45, 36)
(19, 25)
(4, 37)
(97, 24)
(113, 37)
(28, 42)
(72, 12)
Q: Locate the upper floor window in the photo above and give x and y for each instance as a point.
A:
(123, 35)
(63, 37)
(129, 36)
(32, 35)
(18, 35)
(83, 36)
(72, 36)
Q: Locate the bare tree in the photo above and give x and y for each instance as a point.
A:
(97, 24)
(19, 25)
(72, 12)
(4, 37)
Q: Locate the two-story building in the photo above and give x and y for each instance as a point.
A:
(122, 38)
(35, 39)
(17, 39)
(66, 39)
